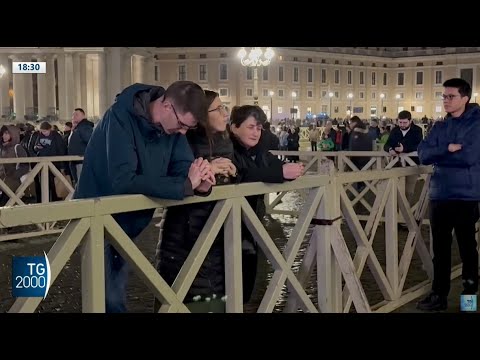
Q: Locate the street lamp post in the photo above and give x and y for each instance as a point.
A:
(2, 72)
(294, 95)
(255, 58)
(350, 96)
(330, 95)
(271, 93)
(382, 96)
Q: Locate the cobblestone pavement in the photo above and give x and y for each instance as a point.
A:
(65, 293)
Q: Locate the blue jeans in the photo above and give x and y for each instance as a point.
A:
(116, 277)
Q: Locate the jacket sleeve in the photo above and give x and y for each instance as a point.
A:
(271, 173)
(85, 134)
(391, 141)
(182, 157)
(416, 138)
(60, 150)
(469, 154)
(431, 150)
(122, 160)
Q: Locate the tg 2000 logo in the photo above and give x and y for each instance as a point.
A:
(30, 276)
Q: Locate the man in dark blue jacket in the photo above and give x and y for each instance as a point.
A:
(453, 148)
(77, 141)
(139, 147)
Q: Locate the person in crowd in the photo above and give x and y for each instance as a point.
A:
(139, 147)
(77, 141)
(453, 148)
(10, 147)
(183, 224)
(49, 143)
(254, 163)
(405, 139)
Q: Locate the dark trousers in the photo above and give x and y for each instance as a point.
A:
(51, 189)
(314, 145)
(444, 217)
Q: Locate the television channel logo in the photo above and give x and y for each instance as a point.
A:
(468, 303)
(31, 276)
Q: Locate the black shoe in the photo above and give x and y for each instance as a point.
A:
(433, 302)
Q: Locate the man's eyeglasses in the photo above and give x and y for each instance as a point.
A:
(219, 108)
(449, 96)
(180, 123)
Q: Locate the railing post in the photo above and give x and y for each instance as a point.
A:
(93, 268)
(233, 259)
(391, 238)
(329, 276)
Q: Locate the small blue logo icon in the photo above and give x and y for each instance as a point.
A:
(31, 276)
(468, 302)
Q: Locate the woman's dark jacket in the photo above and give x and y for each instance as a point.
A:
(183, 224)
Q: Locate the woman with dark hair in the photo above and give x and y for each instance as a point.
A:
(183, 224)
(255, 163)
(10, 147)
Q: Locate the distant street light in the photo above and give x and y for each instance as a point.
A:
(382, 96)
(255, 58)
(271, 93)
(330, 95)
(350, 96)
(2, 105)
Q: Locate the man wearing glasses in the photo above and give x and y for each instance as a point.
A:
(453, 147)
(139, 147)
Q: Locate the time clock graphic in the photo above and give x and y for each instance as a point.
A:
(25, 67)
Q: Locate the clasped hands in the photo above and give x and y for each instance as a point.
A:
(202, 172)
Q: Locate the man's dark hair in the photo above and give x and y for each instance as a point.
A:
(188, 97)
(404, 114)
(81, 110)
(241, 113)
(69, 124)
(463, 87)
(357, 122)
(45, 126)
(266, 126)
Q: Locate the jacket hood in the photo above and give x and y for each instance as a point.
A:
(142, 96)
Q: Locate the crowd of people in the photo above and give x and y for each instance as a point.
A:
(43, 140)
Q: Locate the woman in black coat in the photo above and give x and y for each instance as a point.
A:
(183, 224)
(255, 163)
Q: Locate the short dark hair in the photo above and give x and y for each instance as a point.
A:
(462, 85)
(188, 97)
(3, 130)
(69, 124)
(405, 114)
(80, 109)
(357, 122)
(45, 126)
(241, 113)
